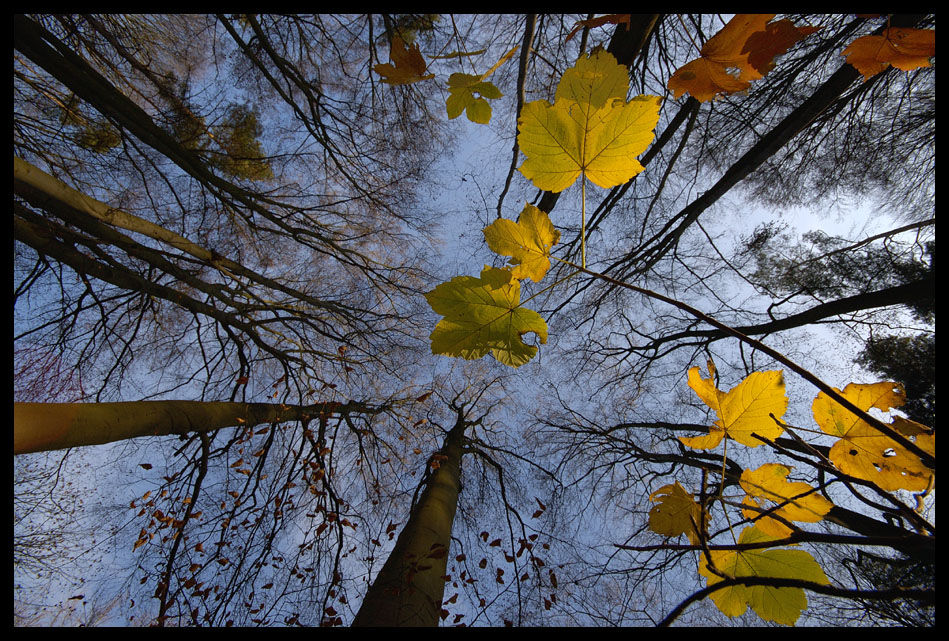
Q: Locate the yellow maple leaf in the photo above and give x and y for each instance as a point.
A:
(863, 451)
(409, 65)
(677, 513)
(590, 129)
(798, 500)
(527, 242)
(781, 605)
(484, 315)
(743, 411)
(904, 48)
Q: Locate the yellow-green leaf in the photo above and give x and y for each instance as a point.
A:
(798, 500)
(484, 315)
(781, 605)
(677, 513)
(467, 93)
(527, 242)
(590, 128)
(743, 411)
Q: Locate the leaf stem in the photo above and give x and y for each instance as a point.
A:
(583, 220)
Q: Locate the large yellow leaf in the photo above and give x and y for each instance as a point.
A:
(484, 315)
(781, 605)
(590, 129)
(745, 410)
(866, 453)
(676, 513)
(527, 242)
(798, 500)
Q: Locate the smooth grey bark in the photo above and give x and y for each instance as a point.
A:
(409, 588)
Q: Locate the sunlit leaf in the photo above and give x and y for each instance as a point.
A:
(590, 128)
(776, 38)
(527, 242)
(866, 453)
(708, 75)
(484, 315)
(780, 605)
(745, 410)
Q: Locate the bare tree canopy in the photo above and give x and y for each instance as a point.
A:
(474, 320)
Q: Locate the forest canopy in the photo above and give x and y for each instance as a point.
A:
(475, 320)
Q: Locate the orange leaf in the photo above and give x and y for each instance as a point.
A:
(708, 75)
(763, 46)
(612, 18)
(409, 67)
(905, 49)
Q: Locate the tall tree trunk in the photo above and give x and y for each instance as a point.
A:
(39, 427)
(408, 590)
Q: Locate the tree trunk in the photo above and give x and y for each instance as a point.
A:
(39, 427)
(409, 588)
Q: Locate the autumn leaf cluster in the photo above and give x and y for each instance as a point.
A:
(744, 50)
(750, 414)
